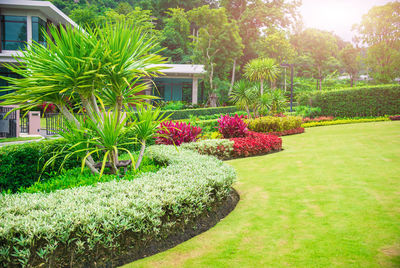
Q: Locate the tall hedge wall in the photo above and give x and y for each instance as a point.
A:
(351, 102)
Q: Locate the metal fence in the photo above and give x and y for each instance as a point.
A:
(24, 123)
(54, 123)
(8, 125)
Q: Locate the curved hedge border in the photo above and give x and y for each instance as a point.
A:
(185, 114)
(352, 102)
(344, 121)
(87, 224)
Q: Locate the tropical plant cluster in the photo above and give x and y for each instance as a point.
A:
(86, 224)
(352, 102)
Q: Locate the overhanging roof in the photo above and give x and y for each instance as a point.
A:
(182, 69)
(47, 8)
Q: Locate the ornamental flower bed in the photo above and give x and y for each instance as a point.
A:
(288, 132)
(177, 133)
(318, 119)
(232, 127)
(256, 144)
(394, 117)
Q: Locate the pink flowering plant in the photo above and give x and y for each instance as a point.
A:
(176, 133)
(232, 127)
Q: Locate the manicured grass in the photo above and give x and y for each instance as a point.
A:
(19, 139)
(330, 199)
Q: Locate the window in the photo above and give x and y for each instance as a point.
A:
(38, 26)
(5, 72)
(13, 32)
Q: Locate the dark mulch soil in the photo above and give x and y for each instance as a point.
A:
(200, 224)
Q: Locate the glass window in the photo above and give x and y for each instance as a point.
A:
(13, 32)
(5, 72)
(38, 26)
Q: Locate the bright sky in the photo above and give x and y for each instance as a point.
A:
(336, 15)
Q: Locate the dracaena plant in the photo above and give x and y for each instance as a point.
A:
(106, 66)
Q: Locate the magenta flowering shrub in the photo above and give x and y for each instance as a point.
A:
(232, 127)
(176, 133)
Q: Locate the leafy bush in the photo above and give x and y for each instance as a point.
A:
(21, 164)
(176, 133)
(344, 121)
(221, 148)
(75, 178)
(256, 144)
(232, 127)
(185, 114)
(174, 105)
(364, 101)
(87, 224)
(207, 125)
(273, 124)
(394, 117)
(307, 111)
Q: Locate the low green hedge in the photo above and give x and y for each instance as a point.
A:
(351, 102)
(267, 124)
(207, 125)
(86, 224)
(185, 114)
(344, 121)
(21, 164)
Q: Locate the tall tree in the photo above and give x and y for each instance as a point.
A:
(253, 16)
(175, 36)
(350, 59)
(276, 45)
(216, 42)
(379, 29)
(318, 49)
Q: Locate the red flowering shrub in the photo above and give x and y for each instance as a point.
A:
(394, 117)
(255, 144)
(288, 132)
(232, 127)
(177, 133)
(318, 119)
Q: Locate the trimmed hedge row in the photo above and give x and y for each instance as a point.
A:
(82, 225)
(352, 102)
(267, 124)
(344, 121)
(185, 114)
(21, 164)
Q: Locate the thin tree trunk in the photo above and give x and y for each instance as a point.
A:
(140, 158)
(320, 83)
(233, 76)
(262, 87)
(94, 104)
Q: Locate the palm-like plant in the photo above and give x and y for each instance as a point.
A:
(262, 69)
(244, 94)
(108, 63)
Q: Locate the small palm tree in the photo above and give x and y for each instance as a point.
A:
(244, 95)
(262, 69)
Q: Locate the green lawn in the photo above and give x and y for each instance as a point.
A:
(19, 139)
(330, 199)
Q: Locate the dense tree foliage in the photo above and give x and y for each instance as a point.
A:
(379, 29)
(225, 35)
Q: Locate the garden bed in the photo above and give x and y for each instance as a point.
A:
(97, 224)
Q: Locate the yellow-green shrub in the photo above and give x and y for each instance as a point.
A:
(273, 124)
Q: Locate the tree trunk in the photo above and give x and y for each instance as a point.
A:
(262, 87)
(140, 158)
(320, 83)
(233, 76)
(351, 82)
